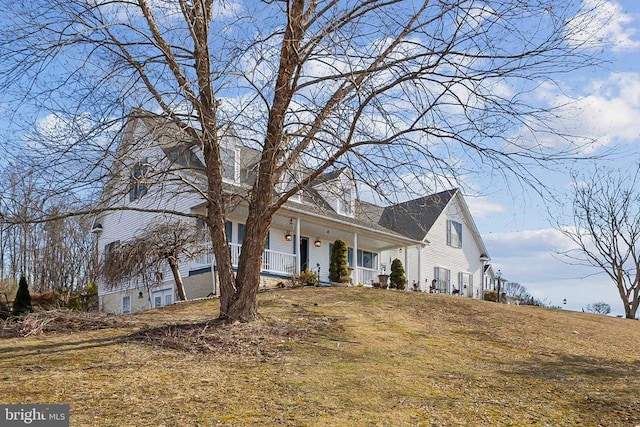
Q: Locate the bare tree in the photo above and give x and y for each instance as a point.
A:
(56, 256)
(599, 308)
(606, 230)
(142, 256)
(400, 91)
(516, 290)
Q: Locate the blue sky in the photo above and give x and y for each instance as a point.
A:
(515, 222)
(604, 104)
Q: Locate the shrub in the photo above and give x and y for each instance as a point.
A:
(490, 296)
(308, 277)
(338, 265)
(22, 303)
(84, 300)
(397, 279)
(5, 311)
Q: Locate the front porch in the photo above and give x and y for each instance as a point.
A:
(284, 264)
(300, 240)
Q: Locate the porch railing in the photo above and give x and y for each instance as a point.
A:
(278, 262)
(367, 275)
(272, 261)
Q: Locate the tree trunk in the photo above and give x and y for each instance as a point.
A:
(245, 305)
(182, 295)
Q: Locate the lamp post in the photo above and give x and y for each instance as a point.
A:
(499, 276)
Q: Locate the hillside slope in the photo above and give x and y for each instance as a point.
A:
(338, 357)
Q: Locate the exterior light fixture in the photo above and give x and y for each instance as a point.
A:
(317, 242)
(288, 236)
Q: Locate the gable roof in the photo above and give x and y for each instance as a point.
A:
(415, 218)
(408, 221)
(329, 176)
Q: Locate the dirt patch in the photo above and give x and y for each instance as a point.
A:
(52, 321)
(265, 338)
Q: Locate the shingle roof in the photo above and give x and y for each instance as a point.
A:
(415, 218)
(411, 219)
(329, 176)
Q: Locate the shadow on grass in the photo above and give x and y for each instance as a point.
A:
(42, 348)
(602, 390)
(571, 367)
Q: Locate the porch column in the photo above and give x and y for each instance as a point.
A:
(297, 243)
(356, 278)
(406, 269)
(419, 248)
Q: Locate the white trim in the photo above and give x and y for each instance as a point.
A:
(297, 248)
(356, 276)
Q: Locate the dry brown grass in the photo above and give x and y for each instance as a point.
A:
(338, 357)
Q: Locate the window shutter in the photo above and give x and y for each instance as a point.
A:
(449, 232)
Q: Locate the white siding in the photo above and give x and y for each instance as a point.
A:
(438, 254)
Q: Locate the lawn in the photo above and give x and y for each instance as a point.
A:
(337, 357)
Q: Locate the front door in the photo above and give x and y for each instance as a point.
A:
(304, 253)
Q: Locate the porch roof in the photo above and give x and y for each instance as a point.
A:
(361, 223)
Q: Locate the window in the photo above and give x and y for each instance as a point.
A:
(291, 179)
(126, 304)
(228, 230)
(162, 297)
(365, 259)
(454, 234)
(138, 181)
(228, 158)
(109, 247)
(442, 277)
(240, 233)
(345, 203)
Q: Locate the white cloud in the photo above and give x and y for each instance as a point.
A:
(528, 257)
(607, 114)
(603, 23)
(480, 207)
(528, 243)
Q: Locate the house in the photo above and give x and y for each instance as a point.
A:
(158, 169)
(455, 258)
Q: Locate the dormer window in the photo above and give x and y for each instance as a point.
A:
(345, 199)
(345, 203)
(291, 179)
(138, 181)
(228, 158)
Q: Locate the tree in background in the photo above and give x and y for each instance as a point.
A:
(606, 230)
(599, 308)
(22, 303)
(397, 279)
(55, 256)
(515, 290)
(338, 263)
(306, 83)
